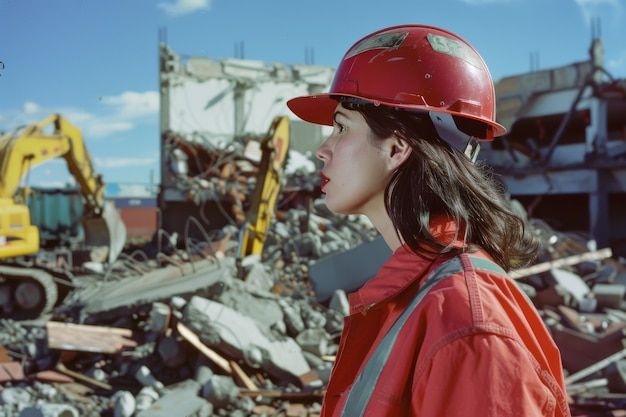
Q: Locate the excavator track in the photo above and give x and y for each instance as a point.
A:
(26, 293)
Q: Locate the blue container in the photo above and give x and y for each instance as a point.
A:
(57, 213)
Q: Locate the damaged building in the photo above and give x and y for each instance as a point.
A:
(566, 147)
(235, 307)
(214, 112)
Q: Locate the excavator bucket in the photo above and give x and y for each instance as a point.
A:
(107, 234)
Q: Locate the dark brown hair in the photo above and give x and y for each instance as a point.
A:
(437, 179)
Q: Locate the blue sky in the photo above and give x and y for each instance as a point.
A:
(96, 61)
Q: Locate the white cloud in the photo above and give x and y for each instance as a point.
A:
(618, 62)
(592, 9)
(98, 128)
(76, 117)
(132, 104)
(124, 162)
(31, 108)
(107, 119)
(120, 114)
(596, 3)
(52, 173)
(181, 7)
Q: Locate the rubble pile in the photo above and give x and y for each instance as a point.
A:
(199, 328)
(196, 331)
(579, 291)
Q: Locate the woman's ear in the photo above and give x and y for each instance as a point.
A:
(398, 151)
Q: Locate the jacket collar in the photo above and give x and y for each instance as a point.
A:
(400, 270)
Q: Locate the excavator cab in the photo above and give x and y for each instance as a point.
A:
(17, 236)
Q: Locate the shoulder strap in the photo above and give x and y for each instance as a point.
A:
(364, 385)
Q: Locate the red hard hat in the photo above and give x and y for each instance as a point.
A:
(414, 67)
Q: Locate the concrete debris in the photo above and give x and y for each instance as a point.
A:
(240, 337)
(196, 330)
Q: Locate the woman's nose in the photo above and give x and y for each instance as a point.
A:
(322, 152)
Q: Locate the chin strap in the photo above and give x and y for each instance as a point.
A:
(447, 130)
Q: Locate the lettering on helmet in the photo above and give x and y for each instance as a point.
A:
(454, 48)
(384, 40)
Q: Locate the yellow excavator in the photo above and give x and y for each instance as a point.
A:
(274, 150)
(27, 288)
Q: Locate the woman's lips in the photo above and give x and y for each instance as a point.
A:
(325, 181)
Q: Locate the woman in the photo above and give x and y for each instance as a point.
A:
(440, 330)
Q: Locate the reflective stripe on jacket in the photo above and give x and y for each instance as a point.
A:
(475, 346)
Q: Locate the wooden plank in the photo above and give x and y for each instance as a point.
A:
(83, 378)
(228, 366)
(309, 378)
(243, 377)
(558, 263)
(86, 338)
(296, 410)
(4, 356)
(193, 338)
(11, 371)
(52, 376)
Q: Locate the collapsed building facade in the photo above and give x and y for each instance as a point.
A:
(211, 110)
(564, 155)
(190, 325)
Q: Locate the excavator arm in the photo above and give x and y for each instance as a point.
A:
(274, 149)
(35, 144)
(21, 152)
(28, 290)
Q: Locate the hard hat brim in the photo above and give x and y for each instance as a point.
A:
(318, 109)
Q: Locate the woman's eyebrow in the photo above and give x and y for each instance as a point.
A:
(339, 113)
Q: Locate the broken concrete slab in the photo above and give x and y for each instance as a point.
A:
(157, 285)
(180, 401)
(241, 338)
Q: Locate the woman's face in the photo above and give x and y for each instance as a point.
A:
(355, 172)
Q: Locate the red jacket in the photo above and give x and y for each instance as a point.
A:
(475, 346)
